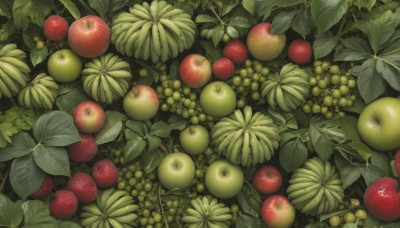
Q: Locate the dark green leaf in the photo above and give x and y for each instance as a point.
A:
(302, 23)
(37, 215)
(160, 129)
(27, 11)
(204, 18)
(368, 4)
(355, 49)
(249, 200)
(327, 216)
(349, 126)
(101, 7)
(239, 22)
(282, 21)
(133, 148)
(232, 32)
(362, 149)
(151, 159)
(176, 122)
(349, 174)
(389, 73)
(245, 220)
(174, 70)
(370, 84)
(321, 143)
(129, 134)
(25, 176)
(323, 46)
(112, 127)
(327, 13)
(292, 149)
(372, 173)
(380, 161)
(116, 5)
(22, 144)
(68, 224)
(248, 5)
(153, 142)
(71, 7)
(217, 34)
(38, 55)
(69, 95)
(350, 225)
(212, 53)
(10, 213)
(381, 29)
(139, 127)
(52, 160)
(227, 8)
(6, 8)
(56, 128)
(288, 3)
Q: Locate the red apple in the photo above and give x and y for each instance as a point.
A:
(44, 189)
(236, 51)
(382, 199)
(277, 211)
(84, 150)
(64, 204)
(300, 51)
(141, 102)
(55, 28)
(262, 44)
(195, 70)
(83, 186)
(223, 68)
(89, 117)
(267, 179)
(89, 36)
(104, 173)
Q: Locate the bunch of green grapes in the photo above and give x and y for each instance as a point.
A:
(354, 214)
(332, 89)
(247, 82)
(175, 97)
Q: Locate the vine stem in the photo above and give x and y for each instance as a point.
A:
(215, 13)
(162, 208)
(3, 181)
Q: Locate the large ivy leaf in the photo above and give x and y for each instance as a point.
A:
(349, 174)
(112, 127)
(302, 23)
(282, 21)
(134, 148)
(355, 49)
(22, 144)
(38, 55)
(37, 215)
(323, 46)
(151, 159)
(327, 13)
(71, 7)
(25, 176)
(52, 160)
(35, 11)
(322, 144)
(370, 83)
(10, 213)
(56, 128)
(381, 29)
(249, 200)
(101, 7)
(292, 149)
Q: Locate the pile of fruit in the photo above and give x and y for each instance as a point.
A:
(199, 114)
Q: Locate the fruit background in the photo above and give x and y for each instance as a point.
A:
(214, 113)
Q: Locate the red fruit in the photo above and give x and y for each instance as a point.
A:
(105, 173)
(277, 211)
(55, 28)
(84, 150)
(300, 51)
(44, 189)
(267, 179)
(236, 51)
(382, 199)
(397, 161)
(64, 204)
(195, 70)
(83, 186)
(223, 68)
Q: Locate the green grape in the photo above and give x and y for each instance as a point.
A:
(264, 71)
(334, 69)
(316, 109)
(317, 63)
(335, 79)
(323, 83)
(313, 81)
(315, 91)
(306, 108)
(325, 65)
(344, 89)
(143, 72)
(246, 82)
(318, 70)
(328, 101)
(186, 90)
(351, 83)
(248, 63)
(236, 80)
(349, 217)
(344, 80)
(336, 93)
(242, 73)
(334, 221)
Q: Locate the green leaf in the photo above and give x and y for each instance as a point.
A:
(133, 148)
(176, 122)
(153, 142)
(204, 18)
(228, 7)
(327, 13)
(389, 73)
(71, 7)
(160, 129)
(6, 8)
(52, 160)
(372, 173)
(69, 95)
(355, 49)
(10, 213)
(245, 220)
(321, 143)
(56, 128)
(112, 127)
(27, 11)
(292, 149)
(211, 52)
(362, 149)
(139, 127)
(38, 55)
(350, 225)
(232, 32)
(302, 23)
(68, 224)
(327, 216)
(217, 34)
(116, 5)
(380, 161)
(101, 7)
(323, 46)
(151, 159)
(249, 200)
(349, 174)
(22, 144)
(282, 21)
(381, 29)
(349, 126)
(25, 176)
(368, 4)
(288, 3)
(248, 5)
(369, 82)
(37, 215)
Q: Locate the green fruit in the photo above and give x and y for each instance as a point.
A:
(218, 99)
(176, 171)
(194, 139)
(64, 65)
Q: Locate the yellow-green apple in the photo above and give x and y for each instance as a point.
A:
(89, 36)
(64, 65)
(217, 99)
(224, 179)
(267, 179)
(44, 189)
(262, 44)
(89, 117)
(84, 150)
(104, 173)
(236, 51)
(55, 28)
(223, 68)
(300, 51)
(176, 171)
(63, 204)
(382, 199)
(141, 102)
(194, 139)
(195, 70)
(277, 211)
(83, 186)
(378, 124)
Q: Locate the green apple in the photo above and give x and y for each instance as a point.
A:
(218, 99)
(176, 171)
(223, 179)
(64, 65)
(194, 139)
(378, 124)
